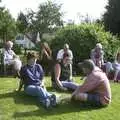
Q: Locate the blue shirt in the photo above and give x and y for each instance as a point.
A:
(32, 75)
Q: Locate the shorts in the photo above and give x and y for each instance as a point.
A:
(94, 99)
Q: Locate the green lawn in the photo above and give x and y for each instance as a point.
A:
(18, 106)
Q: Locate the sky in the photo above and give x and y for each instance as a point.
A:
(73, 9)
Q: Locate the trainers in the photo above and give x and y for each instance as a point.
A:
(53, 100)
(47, 103)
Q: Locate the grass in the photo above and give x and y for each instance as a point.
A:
(18, 106)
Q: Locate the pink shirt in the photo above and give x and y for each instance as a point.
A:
(97, 82)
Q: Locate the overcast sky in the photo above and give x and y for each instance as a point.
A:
(72, 8)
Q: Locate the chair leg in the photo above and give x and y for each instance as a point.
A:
(4, 70)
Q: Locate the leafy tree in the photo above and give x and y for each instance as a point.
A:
(111, 17)
(47, 19)
(22, 23)
(7, 25)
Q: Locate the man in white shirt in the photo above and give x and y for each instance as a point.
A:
(63, 51)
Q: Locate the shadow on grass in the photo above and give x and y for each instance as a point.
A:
(19, 98)
(51, 89)
(64, 107)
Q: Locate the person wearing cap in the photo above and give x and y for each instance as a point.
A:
(10, 58)
(61, 53)
(32, 76)
(61, 75)
(97, 55)
(96, 87)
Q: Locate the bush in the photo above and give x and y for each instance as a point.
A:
(17, 49)
(83, 38)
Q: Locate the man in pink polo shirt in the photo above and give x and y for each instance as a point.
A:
(96, 88)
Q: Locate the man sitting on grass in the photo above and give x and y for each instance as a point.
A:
(32, 79)
(96, 88)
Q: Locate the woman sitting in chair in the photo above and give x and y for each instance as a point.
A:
(97, 55)
(10, 58)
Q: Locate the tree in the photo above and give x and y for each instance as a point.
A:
(47, 19)
(111, 17)
(22, 23)
(7, 25)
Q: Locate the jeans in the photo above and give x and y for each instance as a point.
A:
(69, 85)
(38, 91)
(94, 98)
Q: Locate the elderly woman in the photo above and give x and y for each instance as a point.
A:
(10, 58)
(97, 55)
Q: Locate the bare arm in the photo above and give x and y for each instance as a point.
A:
(88, 86)
(57, 76)
(70, 71)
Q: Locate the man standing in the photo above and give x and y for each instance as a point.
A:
(64, 50)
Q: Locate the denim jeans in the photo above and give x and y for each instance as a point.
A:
(38, 91)
(69, 85)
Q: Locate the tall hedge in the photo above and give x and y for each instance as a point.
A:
(83, 38)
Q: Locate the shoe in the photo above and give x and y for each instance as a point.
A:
(53, 101)
(47, 103)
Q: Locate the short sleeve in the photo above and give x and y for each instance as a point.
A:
(60, 54)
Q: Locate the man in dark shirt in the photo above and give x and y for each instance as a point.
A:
(32, 78)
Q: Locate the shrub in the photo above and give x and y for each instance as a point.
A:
(83, 38)
(17, 49)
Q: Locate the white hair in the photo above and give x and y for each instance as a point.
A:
(99, 45)
(9, 43)
(66, 46)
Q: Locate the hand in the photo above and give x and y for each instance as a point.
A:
(49, 57)
(42, 84)
(71, 78)
(63, 88)
(17, 90)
